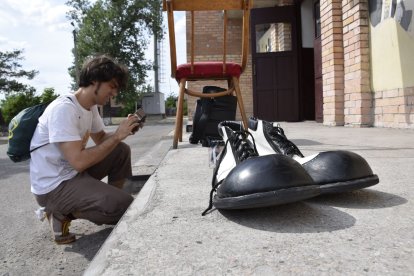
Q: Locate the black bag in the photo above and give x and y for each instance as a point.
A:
(209, 113)
(21, 129)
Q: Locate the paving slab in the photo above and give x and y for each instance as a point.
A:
(370, 231)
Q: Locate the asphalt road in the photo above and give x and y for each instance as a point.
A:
(26, 247)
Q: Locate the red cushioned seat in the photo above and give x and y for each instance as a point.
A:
(208, 70)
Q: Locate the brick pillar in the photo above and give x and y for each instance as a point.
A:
(332, 62)
(358, 95)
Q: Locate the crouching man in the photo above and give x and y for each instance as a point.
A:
(65, 175)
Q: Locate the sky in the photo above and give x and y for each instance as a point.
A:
(41, 29)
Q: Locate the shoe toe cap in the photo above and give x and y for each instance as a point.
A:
(337, 166)
(264, 174)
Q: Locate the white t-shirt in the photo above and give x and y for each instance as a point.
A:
(64, 120)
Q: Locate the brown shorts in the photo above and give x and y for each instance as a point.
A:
(86, 196)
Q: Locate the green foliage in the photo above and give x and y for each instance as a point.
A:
(133, 99)
(48, 95)
(121, 29)
(15, 103)
(129, 108)
(10, 72)
(170, 101)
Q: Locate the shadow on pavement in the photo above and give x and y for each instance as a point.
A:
(305, 142)
(135, 184)
(360, 199)
(298, 217)
(88, 245)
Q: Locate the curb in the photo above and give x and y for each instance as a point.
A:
(147, 164)
(99, 264)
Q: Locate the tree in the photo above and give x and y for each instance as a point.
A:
(14, 103)
(119, 28)
(11, 72)
(48, 95)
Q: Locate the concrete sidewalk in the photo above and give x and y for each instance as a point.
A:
(369, 231)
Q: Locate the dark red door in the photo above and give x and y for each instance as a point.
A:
(275, 64)
(318, 65)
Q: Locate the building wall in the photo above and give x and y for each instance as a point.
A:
(392, 60)
(367, 61)
(358, 97)
(332, 62)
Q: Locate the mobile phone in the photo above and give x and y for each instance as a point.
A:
(141, 115)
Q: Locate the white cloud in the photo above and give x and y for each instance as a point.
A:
(11, 44)
(40, 28)
(46, 13)
(7, 19)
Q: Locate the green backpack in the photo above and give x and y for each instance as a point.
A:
(21, 130)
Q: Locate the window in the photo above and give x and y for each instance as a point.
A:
(273, 37)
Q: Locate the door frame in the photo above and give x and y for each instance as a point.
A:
(318, 65)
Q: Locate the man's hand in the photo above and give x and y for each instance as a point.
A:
(140, 124)
(127, 127)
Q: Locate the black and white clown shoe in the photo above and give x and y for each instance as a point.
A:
(244, 180)
(335, 171)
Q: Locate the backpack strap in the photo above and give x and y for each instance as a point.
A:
(38, 147)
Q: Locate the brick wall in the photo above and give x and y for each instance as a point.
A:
(332, 62)
(358, 107)
(208, 27)
(394, 108)
(347, 95)
(284, 37)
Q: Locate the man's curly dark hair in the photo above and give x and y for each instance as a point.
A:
(103, 68)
